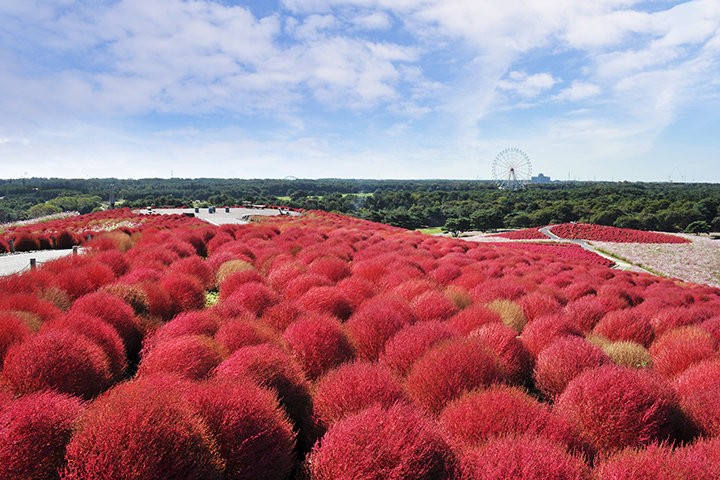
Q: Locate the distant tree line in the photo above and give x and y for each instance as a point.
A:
(477, 205)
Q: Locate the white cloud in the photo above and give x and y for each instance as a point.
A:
(527, 86)
(373, 21)
(579, 91)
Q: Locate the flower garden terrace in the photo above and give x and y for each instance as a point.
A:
(328, 347)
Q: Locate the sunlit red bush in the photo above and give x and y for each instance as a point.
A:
(698, 389)
(604, 233)
(328, 300)
(411, 342)
(188, 356)
(319, 343)
(252, 296)
(375, 322)
(433, 305)
(679, 348)
(626, 325)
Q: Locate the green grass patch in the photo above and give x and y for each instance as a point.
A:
(431, 230)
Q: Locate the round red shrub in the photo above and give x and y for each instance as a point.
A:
(112, 310)
(394, 444)
(34, 430)
(254, 437)
(698, 388)
(21, 302)
(158, 300)
(375, 322)
(281, 315)
(501, 411)
(536, 304)
(626, 325)
(679, 348)
(196, 268)
(252, 296)
(97, 331)
(12, 330)
(269, 366)
(26, 243)
(319, 343)
(618, 407)
(449, 369)
(654, 462)
(433, 305)
(142, 430)
(472, 318)
(326, 300)
(242, 331)
(411, 342)
(669, 318)
(525, 457)
(186, 292)
(281, 274)
(61, 360)
(444, 274)
(233, 281)
(356, 290)
(196, 322)
(353, 387)
(586, 312)
(189, 356)
(332, 267)
(515, 361)
(410, 289)
(297, 287)
(702, 459)
(563, 360)
(542, 331)
(115, 260)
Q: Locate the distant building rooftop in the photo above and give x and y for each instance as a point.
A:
(540, 178)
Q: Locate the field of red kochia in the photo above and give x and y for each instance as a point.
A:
(326, 347)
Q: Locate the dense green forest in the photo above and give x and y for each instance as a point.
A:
(405, 203)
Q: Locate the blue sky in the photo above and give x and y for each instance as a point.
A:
(602, 89)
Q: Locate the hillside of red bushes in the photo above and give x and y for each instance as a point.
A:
(327, 347)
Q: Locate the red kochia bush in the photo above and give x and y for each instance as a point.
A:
(198, 322)
(142, 430)
(515, 361)
(502, 411)
(433, 305)
(252, 296)
(189, 356)
(253, 435)
(545, 329)
(626, 325)
(326, 300)
(375, 322)
(332, 267)
(356, 290)
(702, 459)
(353, 387)
(232, 281)
(34, 431)
(654, 462)
(281, 315)
(242, 331)
(679, 348)
(12, 330)
(618, 407)
(410, 343)
(699, 390)
(114, 311)
(186, 292)
(472, 318)
(563, 360)
(60, 360)
(195, 267)
(449, 369)
(97, 331)
(319, 343)
(525, 457)
(586, 312)
(398, 443)
(115, 260)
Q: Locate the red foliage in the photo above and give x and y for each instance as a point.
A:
(449, 369)
(433, 305)
(563, 360)
(233, 281)
(26, 243)
(702, 459)
(677, 349)
(393, 444)
(280, 275)
(189, 356)
(473, 318)
(199, 322)
(319, 343)
(253, 435)
(617, 407)
(524, 234)
(195, 267)
(353, 387)
(34, 431)
(252, 296)
(280, 315)
(542, 331)
(356, 290)
(158, 300)
(118, 314)
(603, 233)
(501, 411)
(243, 331)
(115, 260)
(515, 361)
(411, 342)
(626, 325)
(297, 287)
(410, 289)
(186, 292)
(97, 331)
(60, 360)
(12, 330)
(536, 304)
(329, 300)
(375, 322)
(524, 457)
(444, 274)
(142, 430)
(698, 388)
(655, 462)
(332, 267)
(586, 312)
(668, 318)
(21, 302)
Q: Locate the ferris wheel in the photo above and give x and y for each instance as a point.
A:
(511, 169)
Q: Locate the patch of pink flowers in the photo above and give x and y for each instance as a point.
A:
(586, 231)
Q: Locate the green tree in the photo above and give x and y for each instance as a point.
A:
(698, 226)
(455, 226)
(42, 209)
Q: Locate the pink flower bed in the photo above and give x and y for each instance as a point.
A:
(586, 231)
(566, 250)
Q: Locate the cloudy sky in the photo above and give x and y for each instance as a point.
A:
(601, 89)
